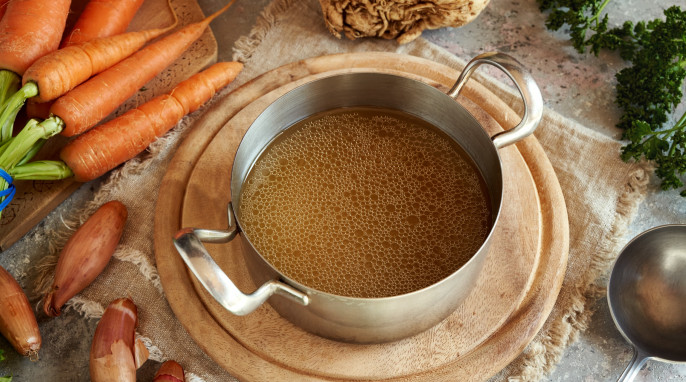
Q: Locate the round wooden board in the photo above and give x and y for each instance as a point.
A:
(501, 287)
(473, 343)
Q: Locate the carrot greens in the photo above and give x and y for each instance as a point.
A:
(648, 91)
(16, 153)
(10, 108)
(9, 84)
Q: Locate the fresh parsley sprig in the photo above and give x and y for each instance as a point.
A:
(650, 89)
(580, 15)
(667, 148)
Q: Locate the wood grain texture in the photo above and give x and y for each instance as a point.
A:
(476, 341)
(35, 199)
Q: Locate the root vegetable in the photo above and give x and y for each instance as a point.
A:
(60, 71)
(87, 104)
(86, 254)
(170, 371)
(102, 18)
(108, 145)
(29, 30)
(17, 320)
(115, 353)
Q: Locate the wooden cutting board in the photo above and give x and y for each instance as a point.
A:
(514, 295)
(35, 199)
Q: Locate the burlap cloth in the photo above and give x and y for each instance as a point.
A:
(601, 192)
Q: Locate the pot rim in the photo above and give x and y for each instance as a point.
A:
(438, 93)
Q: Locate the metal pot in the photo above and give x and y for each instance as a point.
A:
(350, 319)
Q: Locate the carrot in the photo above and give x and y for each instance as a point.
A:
(90, 102)
(30, 29)
(110, 144)
(102, 18)
(62, 70)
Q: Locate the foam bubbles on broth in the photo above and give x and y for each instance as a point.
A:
(365, 202)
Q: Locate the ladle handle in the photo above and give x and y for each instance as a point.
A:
(531, 94)
(637, 361)
(188, 243)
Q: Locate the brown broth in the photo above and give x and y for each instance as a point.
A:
(365, 202)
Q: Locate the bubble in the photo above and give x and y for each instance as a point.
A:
(365, 202)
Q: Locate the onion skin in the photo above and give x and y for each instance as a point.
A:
(86, 254)
(115, 354)
(17, 320)
(170, 371)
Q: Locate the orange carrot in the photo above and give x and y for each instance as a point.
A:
(110, 144)
(30, 29)
(90, 102)
(62, 70)
(102, 18)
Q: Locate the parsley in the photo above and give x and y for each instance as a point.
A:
(649, 91)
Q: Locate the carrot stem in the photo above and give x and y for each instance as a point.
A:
(27, 138)
(12, 106)
(3, 147)
(29, 154)
(8, 85)
(41, 170)
(23, 143)
(32, 152)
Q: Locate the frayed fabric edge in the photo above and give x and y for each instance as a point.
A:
(542, 355)
(245, 46)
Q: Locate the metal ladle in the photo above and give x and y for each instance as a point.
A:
(647, 296)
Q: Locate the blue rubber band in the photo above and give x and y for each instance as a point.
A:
(9, 192)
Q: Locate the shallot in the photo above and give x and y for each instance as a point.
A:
(115, 352)
(86, 254)
(170, 371)
(17, 320)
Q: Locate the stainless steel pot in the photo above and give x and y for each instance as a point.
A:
(362, 320)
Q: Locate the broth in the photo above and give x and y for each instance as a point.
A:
(365, 202)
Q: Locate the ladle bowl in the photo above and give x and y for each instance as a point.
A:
(647, 296)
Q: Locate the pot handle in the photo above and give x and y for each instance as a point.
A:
(531, 94)
(188, 241)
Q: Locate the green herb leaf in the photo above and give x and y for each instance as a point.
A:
(650, 89)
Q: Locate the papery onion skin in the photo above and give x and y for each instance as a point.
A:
(17, 320)
(170, 371)
(113, 351)
(86, 254)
